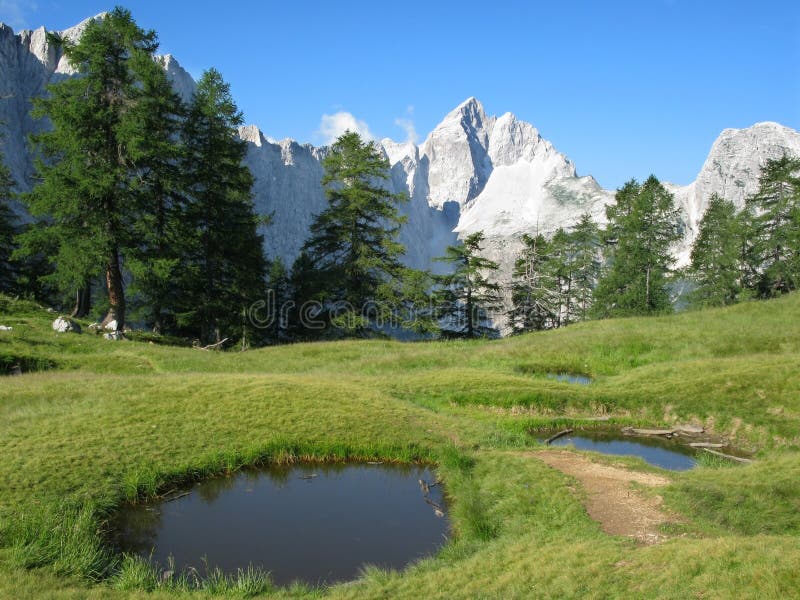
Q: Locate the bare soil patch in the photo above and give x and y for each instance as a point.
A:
(610, 498)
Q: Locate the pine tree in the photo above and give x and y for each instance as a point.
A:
(716, 265)
(84, 197)
(774, 227)
(223, 269)
(641, 227)
(353, 242)
(534, 297)
(465, 298)
(154, 126)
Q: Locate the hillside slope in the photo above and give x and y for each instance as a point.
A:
(105, 422)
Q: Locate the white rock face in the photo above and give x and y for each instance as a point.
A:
(731, 170)
(473, 172)
(457, 155)
(28, 63)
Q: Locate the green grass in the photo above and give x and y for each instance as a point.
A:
(93, 424)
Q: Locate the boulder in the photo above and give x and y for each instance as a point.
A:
(64, 325)
(114, 336)
(5, 328)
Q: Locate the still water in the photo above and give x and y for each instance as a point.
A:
(313, 523)
(666, 454)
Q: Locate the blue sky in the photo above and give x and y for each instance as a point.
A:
(624, 89)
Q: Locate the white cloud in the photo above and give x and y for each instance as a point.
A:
(14, 12)
(332, 126)
(407, 124)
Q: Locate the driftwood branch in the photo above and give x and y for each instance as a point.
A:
(706, 445)
(438, 510)
(552, 438)
(171, 498)
(745, 461)
(214, 346)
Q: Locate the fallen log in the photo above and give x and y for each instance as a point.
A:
(690, 429)
(214, 346)
(745, 461)
(706, 445)
(650, 431)
(552, 438)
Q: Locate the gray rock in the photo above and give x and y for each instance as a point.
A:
(114, 336)
(64, 325)
(6, 328)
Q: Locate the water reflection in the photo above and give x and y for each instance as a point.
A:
(315, 523)
(666, 454)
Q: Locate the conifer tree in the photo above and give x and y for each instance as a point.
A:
(716, 257)
(223, 268)
(774, 228)
(280, 293)
(353, 243)
(84, 198)
(560, 268)
(641, 227)
(584, 249)
(534, 298)
(466, 297)
(159, 233)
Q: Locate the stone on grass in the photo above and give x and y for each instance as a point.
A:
(64, 325)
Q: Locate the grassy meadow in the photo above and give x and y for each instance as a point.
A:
(92, 424)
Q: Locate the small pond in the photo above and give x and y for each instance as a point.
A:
(314, 523)
(570, 378)
(667, 454)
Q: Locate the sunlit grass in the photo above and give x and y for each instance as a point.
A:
(94, 423)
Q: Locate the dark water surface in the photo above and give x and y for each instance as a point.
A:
(666, 454)
(570, 378)
(314, 523)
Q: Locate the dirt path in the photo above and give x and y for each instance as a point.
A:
(611, 501)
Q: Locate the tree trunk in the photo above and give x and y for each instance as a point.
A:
(470, 325)
(158, 323)
(116, 293)
(83, 302)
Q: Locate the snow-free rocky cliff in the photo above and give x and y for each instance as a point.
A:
(473, 172)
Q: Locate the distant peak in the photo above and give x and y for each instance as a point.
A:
(470, 111)
(762, 125)
(470, 102)
(252, 134)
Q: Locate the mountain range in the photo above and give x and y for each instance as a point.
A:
(473, 171)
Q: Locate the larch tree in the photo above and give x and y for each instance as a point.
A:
(222, 269)
(465, 298)
(774, 228)
(585, 258)
(353, 244)
(154, 124)
(84, 197)
(642, 224)
(534, 297)
(716, 258)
